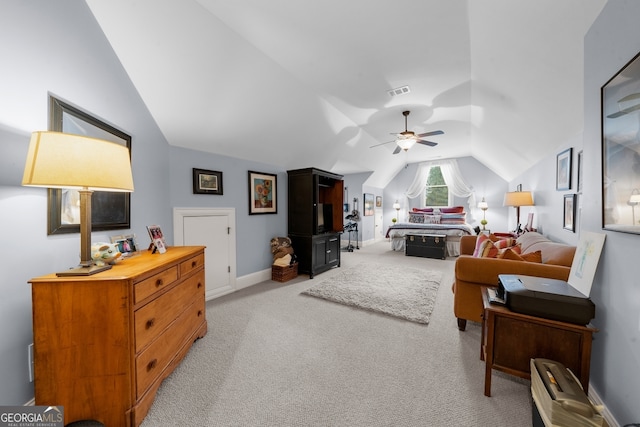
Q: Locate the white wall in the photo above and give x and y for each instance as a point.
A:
(612, 41)
(484, 181)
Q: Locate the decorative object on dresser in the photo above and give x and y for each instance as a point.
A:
(157, 239)
(315, 222)
(109, 340)
(61, 160)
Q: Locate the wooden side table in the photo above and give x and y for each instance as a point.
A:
(510, 340)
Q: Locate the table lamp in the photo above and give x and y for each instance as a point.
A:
(61, 160)
(517, 199)
(484, 206)
(396, 206)
(634, 200)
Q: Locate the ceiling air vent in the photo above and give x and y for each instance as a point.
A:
(399, 91)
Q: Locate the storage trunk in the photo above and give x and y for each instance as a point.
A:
(426, 245)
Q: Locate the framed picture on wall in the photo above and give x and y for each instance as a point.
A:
(207, 182)
(378, 201)
(621, 150)
(563, 170)
(262, 193)
(580, 173)
(368, 204)
(569, 212)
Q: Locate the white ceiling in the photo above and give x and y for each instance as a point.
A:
(298, 83)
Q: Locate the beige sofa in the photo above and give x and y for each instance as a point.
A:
(471, 272)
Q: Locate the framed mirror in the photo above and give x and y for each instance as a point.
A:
(109, 210)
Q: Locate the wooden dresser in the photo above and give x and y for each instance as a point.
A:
(104, 343)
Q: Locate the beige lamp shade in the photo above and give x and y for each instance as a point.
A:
(61, 160)
(518, 198)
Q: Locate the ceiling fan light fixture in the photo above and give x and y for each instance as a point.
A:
(405, 143)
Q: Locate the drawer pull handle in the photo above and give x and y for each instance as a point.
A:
(199, 285)
(193, 264)
(199, 313)
(159, 283)
(152, 364)
(150, 323)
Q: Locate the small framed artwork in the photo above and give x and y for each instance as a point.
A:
(262, 193)
(563, 170)
(207, 182)
(378, 201)
(620, 98)
(580, 173)
(569, 212)
(127, 244)
(157, 239)
(368, 204)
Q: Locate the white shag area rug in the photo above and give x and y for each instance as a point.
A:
(404, 292)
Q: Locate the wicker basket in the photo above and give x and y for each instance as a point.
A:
(284, 273)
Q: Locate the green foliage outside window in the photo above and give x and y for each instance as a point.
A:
(437, 192)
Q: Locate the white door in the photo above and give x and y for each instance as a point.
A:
(378, 233)
(215, 229)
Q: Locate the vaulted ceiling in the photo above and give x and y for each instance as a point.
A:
(298, 83)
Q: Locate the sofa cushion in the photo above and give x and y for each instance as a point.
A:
(553, 253)
(511, 254)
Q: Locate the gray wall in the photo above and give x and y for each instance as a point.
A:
(58, 47)
(484, 181)
(254, 232)
(611, 42)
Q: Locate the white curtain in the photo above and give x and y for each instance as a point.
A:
(452, 177)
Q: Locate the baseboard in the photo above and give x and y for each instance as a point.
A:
(253, 278)
(608, 417)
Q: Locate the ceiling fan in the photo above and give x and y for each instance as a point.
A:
(407, 139)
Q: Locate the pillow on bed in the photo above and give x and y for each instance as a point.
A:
(427, 210)
(453, 218)
(432, 219)
(455, 209)
(416, 217)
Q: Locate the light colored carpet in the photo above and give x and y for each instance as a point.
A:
(275, 358)
(407, 293)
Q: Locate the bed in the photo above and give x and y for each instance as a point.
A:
(447, 221)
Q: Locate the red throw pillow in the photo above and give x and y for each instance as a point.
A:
(480, 242)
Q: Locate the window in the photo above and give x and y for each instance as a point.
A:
(436, 193)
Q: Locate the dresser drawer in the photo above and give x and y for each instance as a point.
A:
(155, 358)
(154, 317)
(154, 283)
(191, 264)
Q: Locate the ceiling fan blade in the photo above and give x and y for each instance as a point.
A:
(382, 143)
(397, 150)
(425, 142)
(435, 132)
